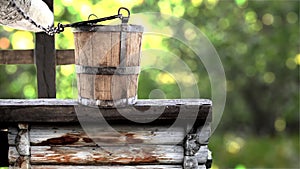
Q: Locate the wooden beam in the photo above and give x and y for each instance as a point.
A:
(56, 111)
(74, 135)
(44, 55)
(16, 57)
(132, 154)
(104, 155)
(63, 57)
(109, 167)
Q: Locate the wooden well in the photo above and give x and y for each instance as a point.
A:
(107, 62)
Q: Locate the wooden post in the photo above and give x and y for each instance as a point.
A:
(44, 57)
(23, 147)
(195, 145)
(45, 62)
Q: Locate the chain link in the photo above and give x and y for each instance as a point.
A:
(51, 30)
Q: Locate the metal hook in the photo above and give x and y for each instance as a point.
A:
(124, 19)
(91, 16)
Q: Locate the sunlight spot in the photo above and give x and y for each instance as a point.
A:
(257, 26)
(22, 40)
(186, 78)
(59, 10)
(29, 91)
(292, 17)
(85, 10)
(25, 76)
(233, 144)
(240, 166)
(241, 3)
(280, 124)
(241, 48)
(196, 3)
(176, 1)
(67, 2)
(157, 94)
(233, 147)
(291, 63)
(269, 77)
(11, 69)
(297, 59)
(178, 11)
(190, 34)
(268, 19)
(250, 17)
(165, 7)
(210, 4)
(152, 42)
(8, 29)
(4, 43)
(165, 78)
(67, 70)
(224, 23)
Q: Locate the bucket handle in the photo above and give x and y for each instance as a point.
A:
(124, 19)
(61, 27)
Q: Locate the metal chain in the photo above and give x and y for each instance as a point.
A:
(51, 30)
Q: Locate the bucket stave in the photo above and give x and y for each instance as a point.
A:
(107, 62)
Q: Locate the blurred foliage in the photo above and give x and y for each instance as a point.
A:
(241, 152)
(258, 44)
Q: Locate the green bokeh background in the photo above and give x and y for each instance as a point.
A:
(258, 44)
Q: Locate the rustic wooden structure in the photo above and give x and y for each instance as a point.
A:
(107, 62)
(56, 138)
(45, 133)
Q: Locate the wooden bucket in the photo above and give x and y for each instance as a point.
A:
(107, 62)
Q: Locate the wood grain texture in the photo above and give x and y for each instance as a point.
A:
(16, 57)
(102, 49)
(44, 58)
(56, 111)
(132, 154)
(73, 135)
(109, 167)
(63, 57)
(44, 55)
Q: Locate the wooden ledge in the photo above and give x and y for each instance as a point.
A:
(61, 111)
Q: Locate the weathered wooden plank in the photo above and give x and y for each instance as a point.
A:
(68, 102)
(63, 57)
(108, 167)
(43, 135)
(16, 57)
(51, 110)
(131, 154)
(103, 155)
